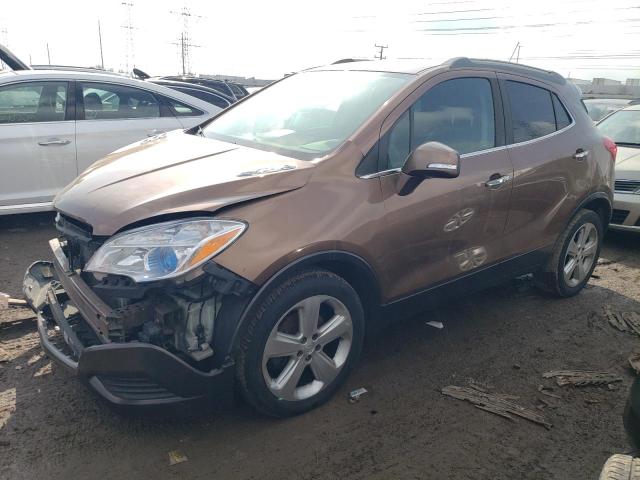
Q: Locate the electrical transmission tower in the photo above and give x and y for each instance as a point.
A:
(129, 59)
(184, 40)
(379, 55)
(4, 39)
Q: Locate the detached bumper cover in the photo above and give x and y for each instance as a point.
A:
(124, 374)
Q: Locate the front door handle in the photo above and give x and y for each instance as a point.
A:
(580, 154)
(54, 141)
(497, 180)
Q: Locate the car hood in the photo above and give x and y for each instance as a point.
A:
(173, 173)
(628, 163)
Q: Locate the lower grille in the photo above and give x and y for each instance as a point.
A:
(135, 388)
(619, 216)
(627, 186)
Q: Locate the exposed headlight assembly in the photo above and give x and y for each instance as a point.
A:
(164, 250)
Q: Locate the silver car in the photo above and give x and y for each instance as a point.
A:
(623, 127)
(54, 124)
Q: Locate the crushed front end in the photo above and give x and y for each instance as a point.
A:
(136, 343)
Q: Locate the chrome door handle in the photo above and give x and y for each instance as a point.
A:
(54, 141)
(580, 154)
(498, 182)
(154, 132)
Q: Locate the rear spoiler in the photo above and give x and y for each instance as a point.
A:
(13, 62)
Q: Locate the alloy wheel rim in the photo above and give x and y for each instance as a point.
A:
(581, 254)
(307, 348)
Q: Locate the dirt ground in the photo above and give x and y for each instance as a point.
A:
(504, 339)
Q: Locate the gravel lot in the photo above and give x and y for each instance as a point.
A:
(503, 340)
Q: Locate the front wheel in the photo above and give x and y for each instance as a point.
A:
(300, 343)
(574, 257)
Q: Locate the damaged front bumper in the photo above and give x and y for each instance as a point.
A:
(125, 374)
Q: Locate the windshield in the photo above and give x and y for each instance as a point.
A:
(622, 127)
(598, 108)
(308, 114)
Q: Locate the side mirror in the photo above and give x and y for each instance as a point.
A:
(433, 159)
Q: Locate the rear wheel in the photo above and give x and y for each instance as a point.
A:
(574, 257)
(300, 343)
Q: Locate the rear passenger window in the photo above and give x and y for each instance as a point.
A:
(562, 117)
(111, 101)
(532, 112)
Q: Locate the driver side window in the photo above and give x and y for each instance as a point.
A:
(457, 112)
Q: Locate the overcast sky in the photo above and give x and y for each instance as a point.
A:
(265, 39)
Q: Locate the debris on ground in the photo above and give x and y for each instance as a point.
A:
(495, 403)
(176, 457)
(355, 395)
(547, 391)
(581, 378)
(625, 321)
(438, 325)
(634, 362)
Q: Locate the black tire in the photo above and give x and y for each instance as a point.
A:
(621, 467)
(264, 318)
(551, 278)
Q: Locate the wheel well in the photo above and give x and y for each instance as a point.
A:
(360, 278)
(602, 207)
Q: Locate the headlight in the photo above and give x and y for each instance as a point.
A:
(164, 250)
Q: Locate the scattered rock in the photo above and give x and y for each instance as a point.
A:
(176, 457)
(516, 366)
(495, 403)
(4, 443)
(579, 378)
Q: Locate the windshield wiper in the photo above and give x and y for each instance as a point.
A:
(628, 144)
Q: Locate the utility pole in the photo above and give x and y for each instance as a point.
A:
(516, 51)
(379, 55)
(48, 54)
(184, 42)
(128, 26)
(100, 38)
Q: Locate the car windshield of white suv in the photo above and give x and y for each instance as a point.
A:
(622, 127)
(308, 114)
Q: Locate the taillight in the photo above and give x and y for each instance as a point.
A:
(611, 147)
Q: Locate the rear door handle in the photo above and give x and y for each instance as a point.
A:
(497, 180)
(54, 141)
(580, 154)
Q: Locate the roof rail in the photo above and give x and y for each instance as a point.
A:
(516, 68)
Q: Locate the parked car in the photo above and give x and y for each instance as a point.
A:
(209, 95)
(238, 90)
(219, 85)
(257, 249)
(54, 124)
(623, 127)
(599, 108)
